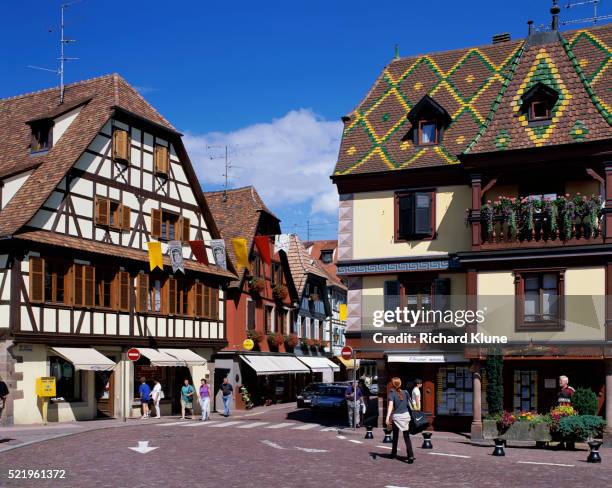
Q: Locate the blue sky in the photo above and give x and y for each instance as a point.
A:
(271, 78)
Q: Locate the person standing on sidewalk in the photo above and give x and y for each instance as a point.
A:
(416, 394)
(204, 398)
(226, 390)
(352, 405)
(156, 395)
(398, 407)
(566, 392)
(145, 395)
(4, 391)
(187, 392)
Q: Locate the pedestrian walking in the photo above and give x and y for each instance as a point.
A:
(398, 418)
(204, 398)
(226, 390)
(156, 396)
(187, 392)
(145, 395)
(4, 391)
(416, 394)
(566, 392)
(353, 402)
(365, 400)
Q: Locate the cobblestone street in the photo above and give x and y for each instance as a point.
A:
(274, 449)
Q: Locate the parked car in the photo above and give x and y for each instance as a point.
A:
(304, 398)
(329, 398)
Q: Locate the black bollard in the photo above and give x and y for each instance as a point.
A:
(594, 456)
(499, 448)
(369, 434)
(427, 440)
(387, 439)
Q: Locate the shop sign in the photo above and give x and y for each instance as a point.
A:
(45, 386)
(248, 344)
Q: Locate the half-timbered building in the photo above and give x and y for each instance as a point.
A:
(84, 185)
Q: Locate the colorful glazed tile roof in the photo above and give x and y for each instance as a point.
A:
(481, 90)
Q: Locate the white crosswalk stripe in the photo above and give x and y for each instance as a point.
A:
(182, 422)
(252, 425)
(280, 426)
(307, 426)
(227, 424)
(201, 424)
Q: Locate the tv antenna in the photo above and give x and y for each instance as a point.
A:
(62, 59)
(594, 19)
(228, 164)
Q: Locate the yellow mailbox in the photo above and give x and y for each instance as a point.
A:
(45, 386)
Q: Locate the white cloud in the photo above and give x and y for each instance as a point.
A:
(288, 160)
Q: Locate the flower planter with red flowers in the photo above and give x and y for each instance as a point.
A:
(255, 335)
(257, 285)
(275, 338)
(280, 292)
(291, 340)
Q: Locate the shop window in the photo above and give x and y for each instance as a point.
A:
(414, 215)
(454, 391)
(42, 136)
(67, 379)
(525, 398)
(539, 300)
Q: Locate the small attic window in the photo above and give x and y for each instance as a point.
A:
(428, 119)
(538, 102)
(327, 256)
(42, 136)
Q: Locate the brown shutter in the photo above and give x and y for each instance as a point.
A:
(143, 291)
(198, 299)
(189, 296)
(37, 280)
(186, 228)
(161, 159)
(102, 211)
(171, 296)
(214, 303)
(89, 286)
(78, 285)
(156, 222)
(126, 218)
(121, 145)
(206, 300)
(124, 291)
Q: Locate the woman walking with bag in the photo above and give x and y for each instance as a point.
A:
(398, 407)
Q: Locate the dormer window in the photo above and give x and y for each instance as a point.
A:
(42, 136)
(327, 256)
(537, 104)
(429, 119)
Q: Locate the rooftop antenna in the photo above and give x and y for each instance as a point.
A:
(228, 165)
(594, 19)
(62, 59)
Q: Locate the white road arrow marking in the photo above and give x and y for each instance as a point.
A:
(273, 444)
(308, 449)
(143, 447)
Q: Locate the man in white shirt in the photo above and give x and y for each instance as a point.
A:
(416, 394)
(156, 396)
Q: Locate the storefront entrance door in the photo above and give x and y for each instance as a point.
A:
(105, 392)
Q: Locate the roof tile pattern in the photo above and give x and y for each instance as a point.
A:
(481, 90)
(302, 264)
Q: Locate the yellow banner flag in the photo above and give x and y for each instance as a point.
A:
(156, 259)
(241, 252)
(343, 311)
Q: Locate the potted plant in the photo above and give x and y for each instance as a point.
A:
(280, 292)
(255, 335)
(275, 338)
(257, 284)
(291, 340)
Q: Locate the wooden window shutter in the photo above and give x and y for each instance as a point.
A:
(405, 209)
(37, 280)
(185, 229)
(126, 218)
(172, 296)
(190, 297)
(102, 211)
(206, 300)
(78, 285)
(423, 222)
(121, 145)
(441, 288)
(143, 292)
(161, 159)
(89, 286)
(214, 303)
(124, 291)
(392, 295)
(156, 216)
(198, 299)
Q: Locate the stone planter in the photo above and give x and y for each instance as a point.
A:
(519, 431)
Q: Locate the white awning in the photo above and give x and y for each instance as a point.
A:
(85, 358)
(159, 358)
(318, 364)
(269, 364)
(187, 356)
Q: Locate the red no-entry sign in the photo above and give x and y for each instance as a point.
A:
(347, 352)
(133, 354)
